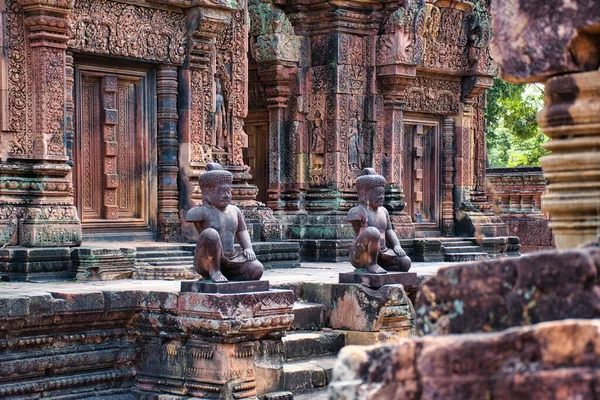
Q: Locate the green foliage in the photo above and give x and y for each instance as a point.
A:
(514, 138)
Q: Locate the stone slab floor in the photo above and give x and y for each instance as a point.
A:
(307, 272)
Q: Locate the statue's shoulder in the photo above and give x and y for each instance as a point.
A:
(358, 213)
(195, 214)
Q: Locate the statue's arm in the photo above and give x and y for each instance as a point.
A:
(390, 236)
(243, 237)
(357, 218)
(195, 214)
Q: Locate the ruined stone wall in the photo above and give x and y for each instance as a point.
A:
(516, 194)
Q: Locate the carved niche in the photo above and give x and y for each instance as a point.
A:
(107, 27)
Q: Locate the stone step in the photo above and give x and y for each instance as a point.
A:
(308, 374)
(163, 254)
(312, 395)
(169, 259)
(162, 247)
(307, 316)
(303, 345)
(465, 256)
(457, 243)
(462, 249)
(167, 262)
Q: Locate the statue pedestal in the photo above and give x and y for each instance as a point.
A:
(212, 345)
(371, 316)
(224, 288)
(375, 281)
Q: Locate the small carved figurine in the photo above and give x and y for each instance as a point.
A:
(221, 132)
(318, 138)
(354, 146)
(218, 223)
(372, 225)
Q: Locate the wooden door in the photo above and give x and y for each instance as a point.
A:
(257, 157)
(422, 173)
(111, 156)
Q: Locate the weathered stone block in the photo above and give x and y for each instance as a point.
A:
(375, 281)
(557, 359)
(495, 295)
(358, 308)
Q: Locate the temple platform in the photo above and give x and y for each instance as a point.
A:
(96, 260)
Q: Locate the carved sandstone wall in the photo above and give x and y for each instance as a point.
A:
(125, 103)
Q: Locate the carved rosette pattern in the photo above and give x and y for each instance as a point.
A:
(107, 27)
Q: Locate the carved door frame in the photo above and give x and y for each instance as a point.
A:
(147, 120)
(430, 180)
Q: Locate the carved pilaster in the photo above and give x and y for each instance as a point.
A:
(36, 187)
(169, 224)
(277, 78)
(195, 99)
(447, 177)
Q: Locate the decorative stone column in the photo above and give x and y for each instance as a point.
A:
(35, 180)
(448, 177)
(276, 49)
(276, 78)
(567, 60)
(571, 118)
(169, 223)
(196, 96)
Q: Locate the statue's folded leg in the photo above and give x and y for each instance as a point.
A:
(207, 258)
(393, 262)
(240, 268)
(364, 251)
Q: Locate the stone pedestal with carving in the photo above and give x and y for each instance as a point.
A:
(208, 344)
(370, 314)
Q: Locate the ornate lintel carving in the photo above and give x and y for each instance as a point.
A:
(113, 28)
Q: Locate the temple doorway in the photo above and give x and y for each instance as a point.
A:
(422, 173)
(112, 150)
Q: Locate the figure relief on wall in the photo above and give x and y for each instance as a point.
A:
(354, 144)
(317, 150)
(221, 132)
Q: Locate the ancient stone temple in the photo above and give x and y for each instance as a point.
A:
(110, 110)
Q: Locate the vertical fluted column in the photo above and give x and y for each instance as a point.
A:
(571, 118)
(169, 224)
